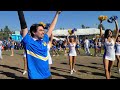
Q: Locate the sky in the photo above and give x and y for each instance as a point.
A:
(67, 19)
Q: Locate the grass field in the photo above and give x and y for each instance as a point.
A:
(88, 67)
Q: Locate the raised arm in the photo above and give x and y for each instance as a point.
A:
(23, 24)
(76, 38)
(52, 26)
(68, 39)
(51, 39)
(101, 33)
(117, 29)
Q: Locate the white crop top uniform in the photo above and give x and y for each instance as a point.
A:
(72, 51)
(109, 53)
(117, 49)
(49, 56)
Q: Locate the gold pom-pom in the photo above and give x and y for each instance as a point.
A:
(102, 18)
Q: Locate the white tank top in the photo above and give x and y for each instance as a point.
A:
(109, 50)
(117, 51)
(99, 44)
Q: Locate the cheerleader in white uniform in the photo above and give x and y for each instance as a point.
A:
(72, 53)
(117, 52)
(109, 45)
(49, 45)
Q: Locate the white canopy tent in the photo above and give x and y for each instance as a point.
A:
(58, 38)
(88, 31)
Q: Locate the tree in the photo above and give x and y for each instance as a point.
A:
(83, 26)
(1, 30)
(6, 29)
(6, 32)
(87, 27)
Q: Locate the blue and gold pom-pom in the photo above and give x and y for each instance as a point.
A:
(72, 31)
(46, 26)
(112, 19)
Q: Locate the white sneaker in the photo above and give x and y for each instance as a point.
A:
(71, 72)
(24, 72)
(11, 55)
(74, 70)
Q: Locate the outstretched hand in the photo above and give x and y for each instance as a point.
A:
(101, 22)
(59, 12)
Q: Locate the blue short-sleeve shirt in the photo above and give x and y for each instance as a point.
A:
(37, 59)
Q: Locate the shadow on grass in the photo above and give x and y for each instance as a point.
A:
(97, 63)
(65, 76)
(83, 71)
(60, 69)
(65, 63)
(12, 75)
(102, 74)
(94, 67)
(80, 65)
(14, 68)
(97, 73)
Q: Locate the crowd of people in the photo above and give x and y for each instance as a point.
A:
(37, 47)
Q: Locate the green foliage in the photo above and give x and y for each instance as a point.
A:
(83, 26)
(4, 33)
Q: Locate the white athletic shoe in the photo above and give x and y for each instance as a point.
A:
(24, 72)
(11, 55)
(71, 72)
(74, 70)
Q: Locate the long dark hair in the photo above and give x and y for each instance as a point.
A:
(106, 35)
(117, 38)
